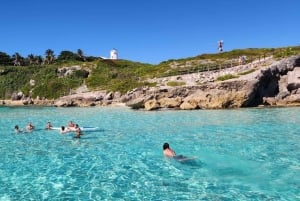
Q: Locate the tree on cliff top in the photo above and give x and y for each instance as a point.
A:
(49, 56)
(5, 59)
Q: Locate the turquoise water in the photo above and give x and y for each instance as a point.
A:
(245, 154)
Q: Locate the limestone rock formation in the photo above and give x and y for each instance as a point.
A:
(293, 79)
(170, 102)
(277, 84)
(151, 105)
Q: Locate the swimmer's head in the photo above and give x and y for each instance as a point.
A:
(166, 146)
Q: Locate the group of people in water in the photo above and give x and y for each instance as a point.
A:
(167, 150)
(29, 128)
(70, 128)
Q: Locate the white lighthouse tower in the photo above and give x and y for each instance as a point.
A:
(114, 54)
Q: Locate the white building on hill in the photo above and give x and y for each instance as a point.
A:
(114, 54)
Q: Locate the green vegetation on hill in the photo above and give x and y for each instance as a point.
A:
(226, 77)
(50, 78)
(46, 82)
(209, 62)
(119, 75)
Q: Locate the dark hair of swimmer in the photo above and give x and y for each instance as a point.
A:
(63, 128)
(166, 146)
(16, 127)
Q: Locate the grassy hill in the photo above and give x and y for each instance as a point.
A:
(205, 62)
(53, 81)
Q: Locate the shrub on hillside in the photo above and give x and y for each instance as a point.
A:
(174, 83)
(247, 72)
(227, 77)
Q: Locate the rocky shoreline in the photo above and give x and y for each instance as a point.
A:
(270, 84)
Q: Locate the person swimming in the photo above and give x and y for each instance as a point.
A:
(17, 130)
(48, 126)
(168, 152)
(78, 132)
(64, 130)
(30, 127)
(71, 125)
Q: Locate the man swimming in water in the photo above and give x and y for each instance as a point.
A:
(71, 125)
(167, 151)
(78, 132)
(48, 126)
(17, 130)
(30, 127)
(64, 130)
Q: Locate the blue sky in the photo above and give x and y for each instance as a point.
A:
(146, 31)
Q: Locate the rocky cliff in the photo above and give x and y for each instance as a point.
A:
(274, 83)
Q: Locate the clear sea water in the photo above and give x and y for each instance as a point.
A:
(243, 154)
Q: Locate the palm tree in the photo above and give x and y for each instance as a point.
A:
(50, 56)
(38, 60)
(80, 55)
(31, 59)
(17, 59)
